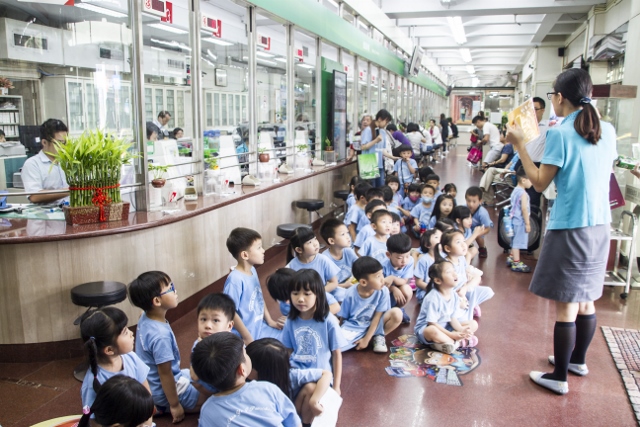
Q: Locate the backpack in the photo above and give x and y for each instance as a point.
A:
(475, 155)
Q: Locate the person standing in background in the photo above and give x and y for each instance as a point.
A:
(444, 124)
(161, 122)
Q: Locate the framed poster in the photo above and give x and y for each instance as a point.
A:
(221, 77)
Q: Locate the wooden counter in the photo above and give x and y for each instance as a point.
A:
(40, 263)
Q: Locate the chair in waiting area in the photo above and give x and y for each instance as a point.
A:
(502, 191)
(286, 231)
(342, 195)
(95, 295)
(311, 205)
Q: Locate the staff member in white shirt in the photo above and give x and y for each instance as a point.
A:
(535, 147)
(491, 136)
(39, 172)
(160, 122)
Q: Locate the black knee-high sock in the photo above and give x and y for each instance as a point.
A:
(585, 328)
(564, 339)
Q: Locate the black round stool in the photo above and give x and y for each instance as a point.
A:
(311, 205)
(342, 195)
(286, 231)
(95, 294)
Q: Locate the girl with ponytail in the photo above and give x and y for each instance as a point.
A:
(109, 347)
(578, 157)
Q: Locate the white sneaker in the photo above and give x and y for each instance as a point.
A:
(317, 162)
(250, 180)
(445, 348)
(379, 344)
(285, 168)
(575, 368)
(558, 387)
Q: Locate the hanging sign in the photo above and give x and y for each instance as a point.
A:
(264, 42)
(168, 16)
(155, 7)
(213, 25)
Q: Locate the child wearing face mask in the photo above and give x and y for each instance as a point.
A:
(421, 213)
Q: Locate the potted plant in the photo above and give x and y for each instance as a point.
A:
(92, 164)
(329, 155)
(263, 156)
(328, 145)
(5, 85)
(158, 171)
(302, 147)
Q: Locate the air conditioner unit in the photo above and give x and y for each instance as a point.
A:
(34, 43)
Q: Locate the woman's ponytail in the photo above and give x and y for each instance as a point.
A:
(587, 123)
(575, 86)
(92, 352)
(437, 252)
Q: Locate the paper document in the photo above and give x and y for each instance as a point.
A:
(525, 116)
(331, 401)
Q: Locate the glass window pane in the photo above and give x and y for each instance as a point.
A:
(363, 95)
(305, 86)
(384, 88)
(375, 88)
(216, 109)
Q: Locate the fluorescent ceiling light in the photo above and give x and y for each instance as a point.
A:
(457, 29)
(215, 58)
(466, 55)
(208, 62)
(471, 69)
(280, 59)
(171, 44)
(264, 54)
(474, 82)
(264, 61)
(168, 28)
(216, 41)
(157, 48)
(333, 3)
(102, 10)
(305, 66)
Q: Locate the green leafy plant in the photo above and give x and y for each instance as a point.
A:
(158, 170)
(212, 162)
(302, 147)
(328, 145)
(261, 150)
(92, 164)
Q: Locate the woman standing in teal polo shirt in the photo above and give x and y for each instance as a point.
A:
(578, 157)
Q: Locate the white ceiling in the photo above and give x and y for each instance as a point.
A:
(500, 33)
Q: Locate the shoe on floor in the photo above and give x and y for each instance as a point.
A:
(574, 368)
(250, 180)
(559, 387)
(509, 261)
(445, 348)
(477, 312)
(469, 342)
(520, 267)
(379, 345)
(405, 316)
(285, 168)
(483, 252)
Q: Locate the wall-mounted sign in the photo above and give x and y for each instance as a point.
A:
(264, 42)
(213, 25)
(168, 16)
(155, 7)
(300, 54)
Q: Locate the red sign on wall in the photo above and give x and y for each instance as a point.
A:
(168, 10)
(214, 25)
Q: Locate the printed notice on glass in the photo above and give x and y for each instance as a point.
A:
(525, 116)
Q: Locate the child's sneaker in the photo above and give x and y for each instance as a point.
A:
(445, 348)
(469, 342)
(483, 252)
(509, 261)
(520, 267)
(379, 345)
(412, 283)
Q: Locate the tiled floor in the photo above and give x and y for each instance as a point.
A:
(515, 337)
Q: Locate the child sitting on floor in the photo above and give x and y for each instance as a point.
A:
(398, 272)
(366, 313)
(421, 213)
(443, 208)
(376, 245)
(394, 183)
(351, 198)
(367, 231)
(352, 217)
(429, 244)
(405, 167)
(376, 193)
(278, 286)
(335, 233)
(462, 216)
(480, 216)
(410, 201)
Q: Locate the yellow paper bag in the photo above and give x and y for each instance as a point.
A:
(525, 116)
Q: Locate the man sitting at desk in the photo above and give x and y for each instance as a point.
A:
(39, 173)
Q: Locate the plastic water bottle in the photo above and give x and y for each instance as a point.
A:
(508, 223)
(423, 228)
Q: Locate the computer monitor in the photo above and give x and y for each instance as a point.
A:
(30, 138)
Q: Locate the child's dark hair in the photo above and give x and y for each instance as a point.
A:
(99, 329)
(365, 266)
(240, 239)
(355, 180)
(425, 186)
(361, 190)
(329, 227)
(395, 217)
(374, 192)
(447, 238)
(432, 177)
(450, 186)
(387, 194)
(271, 359)
(309, 280)
(404, 147)
(218, 302)
(425, 240)
(121, 400)
(576, 86)
(374, 204)
(473, 192)
(279, 283)
(521, 174)
(379, 214)
(437, 212)
(146, 287)
(435, 272)
(216, 358)
(299, 238)
(424, 172)
(445, 224)
(392, 178)
(413, 188)
(399, 244)
(460, 213)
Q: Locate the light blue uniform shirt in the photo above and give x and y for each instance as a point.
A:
(357, 312)
(397, 199)
(363, 235)
(405, 272)
(300, 377)
(402, 169)
(481, 217)
(436, 309)
(421, 271)
(344, 264)
(422, 212)
(373, 248)
(246, 293)
(353, 216)
(351, 200)
(325, 268)
(256, 404)
(285, 308)
(583, 175)
(312, 342)
(408, 204)
(363, 221)
(132, 366)
(366, 137)
(516, 204)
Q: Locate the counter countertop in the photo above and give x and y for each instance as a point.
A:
(14, 231)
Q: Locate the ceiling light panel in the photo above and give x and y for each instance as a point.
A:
(168, 28)
(457, 29)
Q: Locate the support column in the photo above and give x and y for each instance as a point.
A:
(253, 88)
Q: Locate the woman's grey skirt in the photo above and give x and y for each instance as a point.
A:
(572, 264)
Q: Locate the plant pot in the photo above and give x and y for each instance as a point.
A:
(4, 91)
(329, 148)
(158, 182)
(263, 157)
(91, 214)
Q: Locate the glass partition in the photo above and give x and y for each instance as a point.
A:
(363, 92)
(352, 116)
(375, 88)
(384, 89)
(393, 94)
(305, 86)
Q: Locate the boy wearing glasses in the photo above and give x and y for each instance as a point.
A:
(39, 173)
(156, 345)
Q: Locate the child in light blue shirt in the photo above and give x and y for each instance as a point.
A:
(252, 320)
(398, 271)
(352, 217)
(405, 167)
(222, 361)
(479, 215)
(376, 245)
(365, 312)
(367, 231)
(421, 213)
(336, 234)
(278, 286)
(428, 245)
(520, 218)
